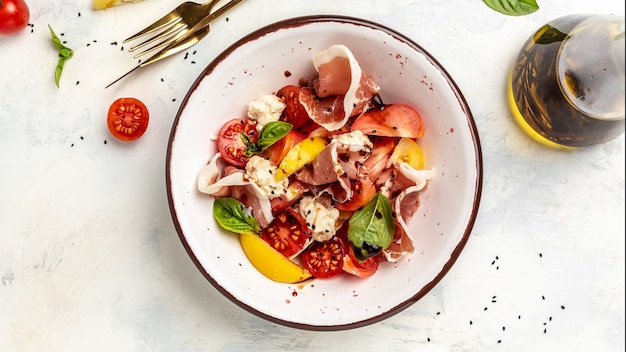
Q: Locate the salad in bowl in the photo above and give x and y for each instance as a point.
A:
(324, 172)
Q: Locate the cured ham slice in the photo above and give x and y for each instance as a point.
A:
(411, 182)
(234, 182)
(340, 162)
(341, 90)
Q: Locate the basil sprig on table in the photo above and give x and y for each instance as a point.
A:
(271, 133)
(372, 228)
(513, 7)
(65, 53)
(233, 216)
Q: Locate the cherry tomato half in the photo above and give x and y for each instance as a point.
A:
(14, 16)
(295, 191)
(287, 233)
(324, 259)
(393, 120)
(358, 268)
(363, 190)
(128, 119)
(294, 112)
(231, 144)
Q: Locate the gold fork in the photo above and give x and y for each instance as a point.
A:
(183, 27)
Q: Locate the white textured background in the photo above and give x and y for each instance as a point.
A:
(90, 261)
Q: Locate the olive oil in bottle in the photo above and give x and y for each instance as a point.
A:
(566, 88)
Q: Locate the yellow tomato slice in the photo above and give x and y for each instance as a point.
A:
(270, 262)
(409, 152)
(300, 155)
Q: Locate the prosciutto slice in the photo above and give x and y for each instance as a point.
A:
(234, 182)
(341, 90)
(411, 182)
(339, 162)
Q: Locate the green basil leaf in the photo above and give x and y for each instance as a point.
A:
(272, 132)
(55, 40)
(372, 227)
(234, 216)
(251, 148)
(513, 7)
(64, 54)
(58, 70)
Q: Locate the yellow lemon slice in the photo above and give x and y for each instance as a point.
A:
(300, 155)
(105, 4)
(409, 152)
(270, 262)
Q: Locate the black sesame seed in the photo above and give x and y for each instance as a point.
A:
(471, 323)
(499, 341)
(562, 307)
(105, 141)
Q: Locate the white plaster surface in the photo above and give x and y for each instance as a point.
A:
(90, 259)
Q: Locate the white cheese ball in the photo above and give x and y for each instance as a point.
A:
(354, 138)
(321, 220)
(266, 109)
(262, 173)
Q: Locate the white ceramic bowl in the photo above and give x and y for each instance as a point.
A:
(257, 65)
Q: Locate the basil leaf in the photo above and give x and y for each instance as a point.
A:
(64, 54)
(234, 216)
(272, 132)
(513, 7)
(251, 148)
(372, 227)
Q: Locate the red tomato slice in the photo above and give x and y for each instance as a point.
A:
(362, 192)
(362, 269)
(287, 233)
(295, 191)
(127, 119)
(393, 120)
(277, 151)
(294, 112)
(231, 144)
(324, 259)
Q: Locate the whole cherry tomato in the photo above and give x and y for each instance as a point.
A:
(14, 16)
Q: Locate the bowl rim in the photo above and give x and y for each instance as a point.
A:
(299, 22)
